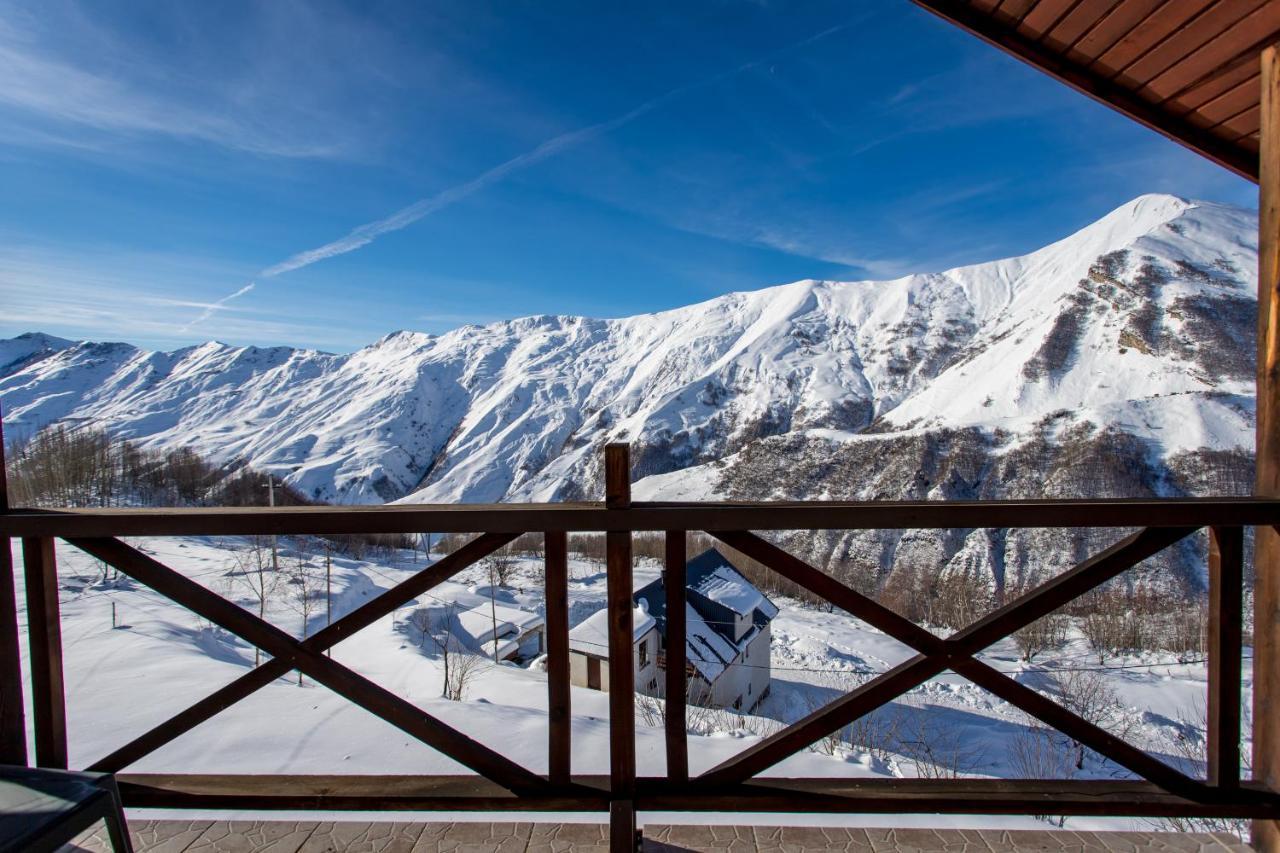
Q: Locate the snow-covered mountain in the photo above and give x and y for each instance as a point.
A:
(1116, 361)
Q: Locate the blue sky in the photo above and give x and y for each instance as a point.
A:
(374, 166)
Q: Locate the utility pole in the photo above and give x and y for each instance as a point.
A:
(275, 541)
(328, 589)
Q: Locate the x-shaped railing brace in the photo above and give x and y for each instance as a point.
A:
(957, 654)
(306, 656)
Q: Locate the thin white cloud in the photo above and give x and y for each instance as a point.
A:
(370, 231)
(214, 307)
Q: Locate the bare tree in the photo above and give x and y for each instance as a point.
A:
(1085, 693)
(1038, 752)
(1047, 632)
(304, 585)
(252, 573)
(460, 666)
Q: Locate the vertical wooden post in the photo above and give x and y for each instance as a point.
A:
(1266, 642)
(13, 725)
(677, 742)
(48, 703)
(1226, 579)
(557, 628)
(622, 688)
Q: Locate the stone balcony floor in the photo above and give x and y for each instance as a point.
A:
(212, 836)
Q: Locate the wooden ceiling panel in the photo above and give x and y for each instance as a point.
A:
(1228, 104)
(1219, 55)
(1199, 94)
(1188, 69)
(1112, 27)
(1011, 11)
(1044, 15)
(1077, 22)
(1148, 33)
(1244, 124)
(1184, 46)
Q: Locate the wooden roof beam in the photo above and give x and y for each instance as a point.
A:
(1002, 35)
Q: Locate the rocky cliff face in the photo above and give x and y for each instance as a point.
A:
(1116, 362)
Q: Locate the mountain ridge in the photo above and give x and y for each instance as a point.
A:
(517, 410)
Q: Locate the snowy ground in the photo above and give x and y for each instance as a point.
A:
(161, 658)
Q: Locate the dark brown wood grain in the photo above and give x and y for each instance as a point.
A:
(1226, 585)
(643, 516)
(559, 720)
(677, 680)
(1266, 620)
(44, 634)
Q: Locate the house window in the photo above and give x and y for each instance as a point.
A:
(737, 704)
(644, 653)
(748, 689)
(653, 684)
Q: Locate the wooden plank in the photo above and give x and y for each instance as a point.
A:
(13, 725)
(622, 688)
(1147, 34)
(1229, 103)
(677, 680)
(948, 796)
(821, 795)
(1044, 15)
(349, 792)
(1110, 28)
(1241, 124)
(824, 795)
(1203, 92)
(1094, 80)
(1226, 586)
(653, 515)
(1240, 41)
(617, 476)
(622, 827)
(358, 619)
(1266, 620)
(347, 683)
(559, 711)
(1086, 15)
(44, 635)
(1197, 47)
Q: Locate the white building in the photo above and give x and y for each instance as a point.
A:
(726, 638)
(517, 633)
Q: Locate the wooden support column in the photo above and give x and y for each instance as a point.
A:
(677, 680)
(1226, 581)
(1266, 644)
(622, 688)
(13, 726)
(48, 701)
(557, 628)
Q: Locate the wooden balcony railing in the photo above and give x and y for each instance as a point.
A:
(733, 785)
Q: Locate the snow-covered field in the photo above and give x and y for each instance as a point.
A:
(161, 658)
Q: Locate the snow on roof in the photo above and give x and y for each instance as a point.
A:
(706, 648)
(478, 624)
(591, 635)
(712, 575)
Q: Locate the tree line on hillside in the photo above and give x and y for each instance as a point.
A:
(79, 466)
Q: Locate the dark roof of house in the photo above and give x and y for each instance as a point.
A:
(716, 591)
(1189, 70)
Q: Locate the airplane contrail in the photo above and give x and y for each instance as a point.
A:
(213, 308)
(370, 231)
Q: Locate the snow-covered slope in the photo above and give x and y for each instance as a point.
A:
(1141, 321)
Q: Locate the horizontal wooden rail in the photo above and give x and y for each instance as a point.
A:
(640, 516)
(591, 793)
